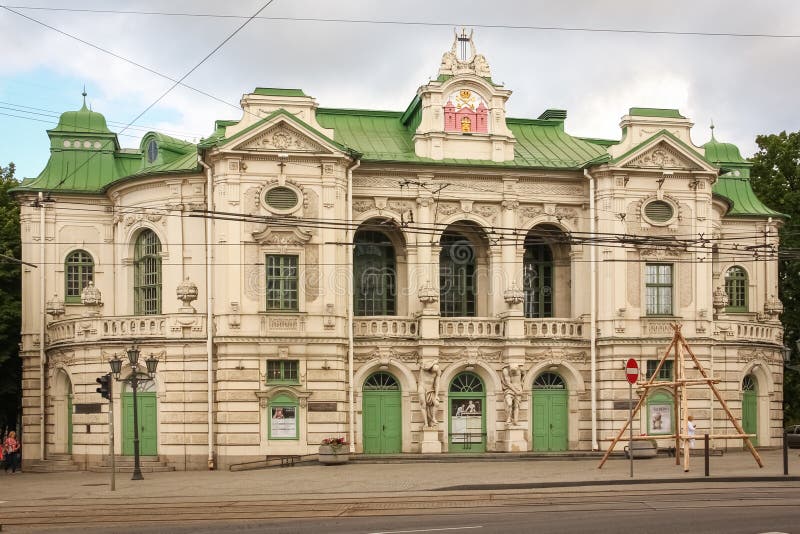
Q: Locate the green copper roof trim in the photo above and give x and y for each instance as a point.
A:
(554, 114)
(647, 141)
(277, 113)
(411, 110)
(745, 203)
(656, 112)
(601, 142)
(186, 164)
(277, 91)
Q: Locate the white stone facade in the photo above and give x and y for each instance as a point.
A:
(498, 204)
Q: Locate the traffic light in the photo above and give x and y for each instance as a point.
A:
(105, 386)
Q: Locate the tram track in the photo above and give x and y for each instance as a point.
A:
(111, 511)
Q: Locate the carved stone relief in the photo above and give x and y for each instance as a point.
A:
(282, 138)
(634, 282)
(312, 273)
(662, 156)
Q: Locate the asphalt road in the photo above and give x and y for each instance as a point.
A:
(657, 508)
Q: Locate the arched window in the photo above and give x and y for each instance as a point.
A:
(549, 381)
(456, 276)
(381, 382)
(79, 271)
(375, 273)
(537, 267)
(736, 288)
(147, 274)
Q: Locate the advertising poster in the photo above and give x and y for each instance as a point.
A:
(660, 419)
(283, 422)
(465, 421)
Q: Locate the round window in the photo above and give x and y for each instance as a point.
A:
(659, 211)
(281, 198)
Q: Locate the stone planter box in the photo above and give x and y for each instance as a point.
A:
(330, 455)
(641, 449)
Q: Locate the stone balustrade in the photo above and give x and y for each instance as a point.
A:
(554, 328)
(125, 328)
(468, 328)
(383, 327)
(754, 332)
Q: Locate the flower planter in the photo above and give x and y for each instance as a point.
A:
(332, 455)
(642, 449)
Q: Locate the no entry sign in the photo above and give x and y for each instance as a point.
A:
(631, 371)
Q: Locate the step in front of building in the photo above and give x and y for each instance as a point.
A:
(124, 464)
(54, 463)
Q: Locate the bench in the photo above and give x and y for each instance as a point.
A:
(287, 460)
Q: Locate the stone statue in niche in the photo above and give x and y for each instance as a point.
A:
(428, 393)
(511, 378)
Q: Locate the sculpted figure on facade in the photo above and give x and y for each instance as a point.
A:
(428, 393)
(511, 378)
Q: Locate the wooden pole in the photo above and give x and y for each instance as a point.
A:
(684, 405)
(736, 424)
(675, 410)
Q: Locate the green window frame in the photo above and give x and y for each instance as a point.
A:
(375, 274)
(283, 414)
(283, 372)
(665, 374)
(147, 274)
(537, 265)
(658, 288)
(736, 283)
(78, 272)
(282, 282)
(457, 276)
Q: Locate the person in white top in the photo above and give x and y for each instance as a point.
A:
(690, 430)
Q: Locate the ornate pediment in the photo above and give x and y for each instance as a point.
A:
(282, 138)
(663, 156)
(296, 236)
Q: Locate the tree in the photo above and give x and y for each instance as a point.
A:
(10, 302)
(776, 181)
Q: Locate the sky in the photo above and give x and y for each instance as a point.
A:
(746, 85)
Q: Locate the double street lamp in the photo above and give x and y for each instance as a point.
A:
(134, 379)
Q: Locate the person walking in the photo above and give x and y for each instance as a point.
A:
(11, 449)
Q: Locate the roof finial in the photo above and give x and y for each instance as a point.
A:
(84, 96)
(712, 129)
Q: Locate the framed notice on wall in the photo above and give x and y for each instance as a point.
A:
(659, 418)
(283, 422)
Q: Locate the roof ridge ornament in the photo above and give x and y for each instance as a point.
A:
(84, 98)
(458, 60)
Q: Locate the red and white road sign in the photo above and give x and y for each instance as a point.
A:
(632, 371)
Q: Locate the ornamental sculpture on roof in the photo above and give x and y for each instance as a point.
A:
(456, 60)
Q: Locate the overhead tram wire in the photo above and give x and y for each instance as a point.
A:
(585, 29)
(165, 93)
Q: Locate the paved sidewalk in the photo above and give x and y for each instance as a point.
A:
(313, 480)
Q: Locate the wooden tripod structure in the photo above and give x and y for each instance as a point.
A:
(679, 386)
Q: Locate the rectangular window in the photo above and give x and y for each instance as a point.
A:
(281, 283)
(658, 288)
(283, 371)
(665, 373)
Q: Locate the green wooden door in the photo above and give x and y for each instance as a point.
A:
(750, 407)
(69, 424)
(550, 413)
(382, 418)
(467, 414)
(148, 431)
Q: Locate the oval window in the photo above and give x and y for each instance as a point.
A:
(659, 211)
(281, 198)
(152, 151)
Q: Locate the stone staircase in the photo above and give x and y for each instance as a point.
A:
(124, 464)
(54, 463)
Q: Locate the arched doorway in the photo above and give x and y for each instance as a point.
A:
(467, 418)
(382, 420)
(750, 407)
(550, 398)
(147, 409)
(62, 412)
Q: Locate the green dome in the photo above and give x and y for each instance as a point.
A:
(717, 152)
(82, 121)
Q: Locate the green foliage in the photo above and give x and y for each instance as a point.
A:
(776, 181)
(10, 301)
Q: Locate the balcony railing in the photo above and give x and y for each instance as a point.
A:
(381, 327)
(124, 328)
(756, 332)
(477, 327)
(554, 328)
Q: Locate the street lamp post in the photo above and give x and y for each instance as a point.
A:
(133, 379)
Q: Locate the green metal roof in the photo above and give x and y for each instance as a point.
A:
(275, 91)
(382, 136)
(656, 112)
(739, 192)
(720, 153)
(82, 121)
